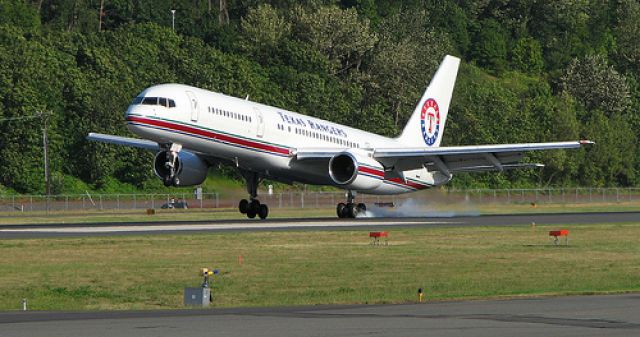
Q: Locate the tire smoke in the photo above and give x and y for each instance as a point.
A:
(417, 208)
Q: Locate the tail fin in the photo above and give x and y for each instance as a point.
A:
(426, 124)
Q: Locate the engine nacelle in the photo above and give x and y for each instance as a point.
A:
(355, 171)
(189, 168)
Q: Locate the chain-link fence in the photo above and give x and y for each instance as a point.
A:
(294, 199)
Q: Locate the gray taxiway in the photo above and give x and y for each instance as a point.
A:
(613, 315)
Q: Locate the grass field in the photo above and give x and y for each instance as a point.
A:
(314, 267)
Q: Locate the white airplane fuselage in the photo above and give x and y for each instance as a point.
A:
(261, 138)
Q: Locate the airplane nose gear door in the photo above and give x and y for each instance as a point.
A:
(195, 108)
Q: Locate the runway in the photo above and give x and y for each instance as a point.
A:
(613, 315)
(95, 229)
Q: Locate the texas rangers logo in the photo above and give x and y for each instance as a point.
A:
(430, 121)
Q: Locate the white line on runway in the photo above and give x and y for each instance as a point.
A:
(204, 227)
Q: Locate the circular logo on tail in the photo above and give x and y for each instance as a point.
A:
(430, 121)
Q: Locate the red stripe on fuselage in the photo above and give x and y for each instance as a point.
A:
(371, 171)
(408, 183)
(209, 134)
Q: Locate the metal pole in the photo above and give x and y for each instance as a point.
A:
(45, 146)
(173, 20)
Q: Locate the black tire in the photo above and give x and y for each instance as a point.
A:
(352, 211)
(340, 210)
(263, 211)
(243, 206)
(254, 206)
(362, 207)
(251, 214)
(167, 181)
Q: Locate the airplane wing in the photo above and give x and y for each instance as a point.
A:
(111, 139)
(450, 159)
(472, 158)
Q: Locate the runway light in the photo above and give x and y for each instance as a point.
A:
(420, 295)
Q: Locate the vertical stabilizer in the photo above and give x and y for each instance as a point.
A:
(426, 125)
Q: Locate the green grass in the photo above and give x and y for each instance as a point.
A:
(310, 267)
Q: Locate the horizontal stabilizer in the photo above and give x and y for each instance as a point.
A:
(118, 140)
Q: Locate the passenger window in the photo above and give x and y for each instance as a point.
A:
(162, 101)
(137, 100)
(172, 103)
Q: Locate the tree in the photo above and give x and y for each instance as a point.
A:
(627, 34)
(526, 56)
(263, 29)
(490, 46)
(340, 34)
(596, 85)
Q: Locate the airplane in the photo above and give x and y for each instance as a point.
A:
(192, 129)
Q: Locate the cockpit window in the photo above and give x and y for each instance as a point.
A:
(150, 101)
(163, 101)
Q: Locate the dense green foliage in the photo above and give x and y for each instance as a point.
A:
(540, 70)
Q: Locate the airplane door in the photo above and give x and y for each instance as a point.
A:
(259, 122)
(195, 109)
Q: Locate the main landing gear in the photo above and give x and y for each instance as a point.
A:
(350, 209)
(253, 207)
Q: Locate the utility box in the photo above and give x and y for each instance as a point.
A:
(197, 297)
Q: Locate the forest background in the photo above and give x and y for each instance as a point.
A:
(532, 71)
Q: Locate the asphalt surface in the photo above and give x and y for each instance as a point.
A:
(614, 315)
(97, 229)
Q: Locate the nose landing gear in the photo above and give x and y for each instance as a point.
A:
(350, 209)
(171, 165)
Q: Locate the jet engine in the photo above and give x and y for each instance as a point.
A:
(189, 169)
(355, 171)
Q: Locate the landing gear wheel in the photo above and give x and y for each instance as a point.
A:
(352, 212)
(263, 211)
(340, 210)
(253, 208)
(243, 206)
(176, 181)
(361, 208)
(166, 180)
